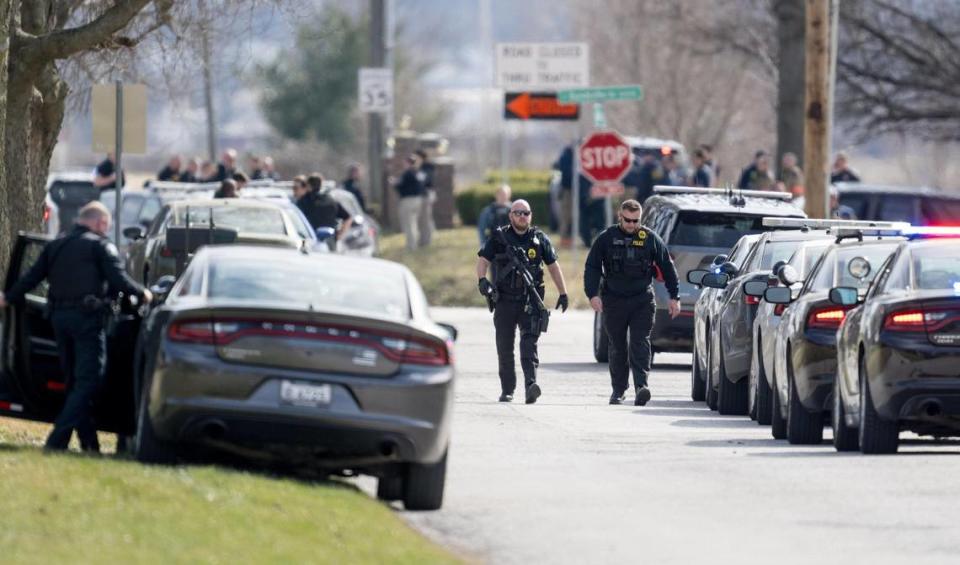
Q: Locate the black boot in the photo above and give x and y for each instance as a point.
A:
(643, 396)
(617, 398)
(506, 397)
(533, 393)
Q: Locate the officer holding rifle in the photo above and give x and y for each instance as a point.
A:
(517, 254)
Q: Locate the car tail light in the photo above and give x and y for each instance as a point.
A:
(396, 347)
(917, 320)
(778, 309)
(191, 331)
(751, 300)
(165, 251)
(826, 317)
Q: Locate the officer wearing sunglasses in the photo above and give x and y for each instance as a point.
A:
(618, 279)
(513, 309)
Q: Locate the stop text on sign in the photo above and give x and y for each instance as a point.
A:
(604, 157)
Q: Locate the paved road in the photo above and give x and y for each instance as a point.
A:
(573, 480)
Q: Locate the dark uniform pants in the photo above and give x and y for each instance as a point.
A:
(507, 316)
(82, 344)
(636, 314)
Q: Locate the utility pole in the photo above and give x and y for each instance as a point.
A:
(818, 106)
(208, 82)
(375, 141)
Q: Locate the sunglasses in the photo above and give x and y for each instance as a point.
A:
(630, 221)
(521, 212)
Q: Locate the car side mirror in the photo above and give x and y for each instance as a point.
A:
(730, 269)
(133, 233)
(325, 233)
(716, 280)
(845, 296)
(788, 275)
(163, 286)
(778, 295)
(755, 288)
(695, 277)
(451, 329)
(719, 260)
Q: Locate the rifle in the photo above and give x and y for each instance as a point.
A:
(538, 311)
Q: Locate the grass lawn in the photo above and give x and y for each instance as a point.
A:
(447, 272)
(75, 509)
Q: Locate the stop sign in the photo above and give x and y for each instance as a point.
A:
(604, 157)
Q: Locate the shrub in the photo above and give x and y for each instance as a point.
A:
(530, 185)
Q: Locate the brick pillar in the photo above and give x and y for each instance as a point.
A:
(443, 210)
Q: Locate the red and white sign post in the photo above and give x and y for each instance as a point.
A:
(605, 157)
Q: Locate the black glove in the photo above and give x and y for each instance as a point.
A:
(486, 289)
(563, 303)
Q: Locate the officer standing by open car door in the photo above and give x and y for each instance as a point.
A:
(625, 258)
(83, 269)
(518, 253)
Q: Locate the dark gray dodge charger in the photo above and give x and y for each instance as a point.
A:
(318, 360)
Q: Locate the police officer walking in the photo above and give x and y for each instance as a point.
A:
(83, 269)
(514, 304)
(625, 256)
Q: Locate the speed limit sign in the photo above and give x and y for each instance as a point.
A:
(376, 90)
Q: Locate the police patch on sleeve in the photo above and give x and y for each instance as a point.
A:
(111, 249)
(532, 253)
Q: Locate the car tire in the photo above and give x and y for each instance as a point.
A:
(764, 395)
(390, 488)
(731, 396)
(778, 424)
(877, 436)
(710, 393)
(600, 341)
(147, 447)
(803, 427)
(423, 485)
(697, 384)
(845, 438)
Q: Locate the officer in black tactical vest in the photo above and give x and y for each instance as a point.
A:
(510, 251)
(84, 272)
(625, 258)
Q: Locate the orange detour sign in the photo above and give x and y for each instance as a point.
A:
(537, 106)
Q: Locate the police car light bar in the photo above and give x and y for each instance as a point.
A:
(920, 232)
(777, 222)
(660, 189)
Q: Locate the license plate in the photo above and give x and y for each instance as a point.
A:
(300, 394)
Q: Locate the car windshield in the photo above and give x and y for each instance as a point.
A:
(245, 219)
(834, 271)
(937, 267)
(804, 259)
(311, 283)
(713, 229)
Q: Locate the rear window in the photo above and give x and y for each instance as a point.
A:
(897, 208)
(310, 283)
(709, 229)
(834, 271)
(937, 267)
(245, 219)
(857, 202)
(74, 194)
(940, 211)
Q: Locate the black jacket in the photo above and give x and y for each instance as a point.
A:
(79, 264)
(321, 209)
(627, 263)
(351, 186)
(410, 185)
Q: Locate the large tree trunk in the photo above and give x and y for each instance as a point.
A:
(790, 103)
(5, 27)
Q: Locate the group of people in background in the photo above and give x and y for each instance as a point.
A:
(198, 170)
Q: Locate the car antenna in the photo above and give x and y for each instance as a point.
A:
(210, 233)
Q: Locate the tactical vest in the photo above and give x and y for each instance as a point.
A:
(628, 263)
(506, 278)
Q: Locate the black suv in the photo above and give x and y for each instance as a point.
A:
(697, 224)
(920, 206)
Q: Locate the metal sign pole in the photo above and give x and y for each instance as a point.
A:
(118, 169)
(575, 189)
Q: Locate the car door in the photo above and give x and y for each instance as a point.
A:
(33, 385)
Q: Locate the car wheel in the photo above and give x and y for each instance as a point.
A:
(764, 396)
(844, 437)
(803, 428)
(390, 488)
(148, 448)
(697, 384)
(731, 397)
(600, 341)
(423, 486)
(778, 424)
(710, 394)
(877, 436)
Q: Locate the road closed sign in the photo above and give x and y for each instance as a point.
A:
(604, 157)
